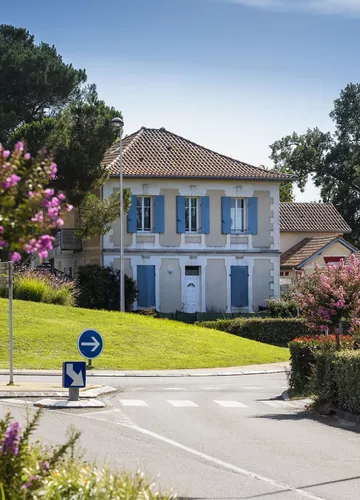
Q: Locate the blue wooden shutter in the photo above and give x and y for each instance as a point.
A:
(239, 286)
(253, 215)
(131, 218)
(225, 215)
(180, 214)
(159, 214)
(205, 214)
(146, 286)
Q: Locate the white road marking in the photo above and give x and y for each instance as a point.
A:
(106, 412)
(174, 388)
(225, 465)
(231, 404)
(133, 402)
(275, 404)
(182, 403)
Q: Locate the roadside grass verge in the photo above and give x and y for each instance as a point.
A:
(46, 335)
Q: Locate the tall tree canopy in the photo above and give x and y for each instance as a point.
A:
(332, 160)
(45, 102)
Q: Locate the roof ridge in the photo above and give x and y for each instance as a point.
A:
(163, 129)
(136, 135)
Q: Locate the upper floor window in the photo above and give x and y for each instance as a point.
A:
(191, 215)
(143, 213)
(238, 214)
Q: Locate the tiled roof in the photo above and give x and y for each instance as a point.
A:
(319, 217)
(307, 247)
(159, 153)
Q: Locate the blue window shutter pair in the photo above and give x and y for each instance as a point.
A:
(146, 286)
(239, 286)
(205, 214)
(159, 207)
(226, 215)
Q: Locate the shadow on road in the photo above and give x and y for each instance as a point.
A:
(273, 493)
(332, 421)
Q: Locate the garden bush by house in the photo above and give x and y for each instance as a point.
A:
(42, 286)
(282, 308)
(274, 331)
(309, 361)
(99, 288)
(33, 471)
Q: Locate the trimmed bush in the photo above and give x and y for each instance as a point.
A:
(304, 352)
(274, 331)
(99, 288)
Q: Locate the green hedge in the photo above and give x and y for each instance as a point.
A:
(310, 361)
(274, 331)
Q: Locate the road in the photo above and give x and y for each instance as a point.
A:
(216, 438)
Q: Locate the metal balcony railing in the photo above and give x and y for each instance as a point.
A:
(67, 240)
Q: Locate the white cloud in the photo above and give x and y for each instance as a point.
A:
(320, 6)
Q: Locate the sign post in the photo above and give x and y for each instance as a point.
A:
(6, 280)
(74, 378)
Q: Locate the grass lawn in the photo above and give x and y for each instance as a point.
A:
(46, 335)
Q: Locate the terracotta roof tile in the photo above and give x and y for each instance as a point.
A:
(159, 153)
(312, 217)
(295, 255)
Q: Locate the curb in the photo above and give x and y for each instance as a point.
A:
(90, 393)
(58, 373)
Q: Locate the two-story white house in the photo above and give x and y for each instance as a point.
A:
(202, 233)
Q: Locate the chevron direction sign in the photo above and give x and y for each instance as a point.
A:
(74, 374)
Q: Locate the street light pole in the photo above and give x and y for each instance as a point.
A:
(118, 124)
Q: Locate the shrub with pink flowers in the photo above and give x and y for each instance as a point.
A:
(30, 211)
(331, 295)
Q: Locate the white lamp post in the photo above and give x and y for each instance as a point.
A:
(119, 124)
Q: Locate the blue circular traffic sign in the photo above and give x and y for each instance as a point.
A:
(90, 344)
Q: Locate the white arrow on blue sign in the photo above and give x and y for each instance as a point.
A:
(90, 344)
(74, 374)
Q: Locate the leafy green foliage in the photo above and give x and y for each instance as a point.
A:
(281, 308)
(99, 288)
(42, 286)
(303, 352)
(332, 160)
(58, 473)
(96, 216)
(274, 331)
(34, 80)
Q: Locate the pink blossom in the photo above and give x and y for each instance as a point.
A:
(11, 181)
(6, 154)
(1, 229)
(53, 170)
(340, 303)
(39, 217)
(27, 156)
(69, 207)
(59, 222)
(49, 193)
(15, 257)
(31, 194)
(61, 196)
(3, 244)
(55, 202)
(53, 212)
(19, 146)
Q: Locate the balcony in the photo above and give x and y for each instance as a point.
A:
(66, 240)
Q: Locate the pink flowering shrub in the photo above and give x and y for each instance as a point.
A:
(30, 211)
(331, 294)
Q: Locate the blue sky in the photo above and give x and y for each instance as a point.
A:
(232, 75)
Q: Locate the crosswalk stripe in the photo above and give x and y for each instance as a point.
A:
(231, 404)
(182, 402)
(133, 402)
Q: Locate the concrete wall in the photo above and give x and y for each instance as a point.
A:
(262, 282)
(215, 238)
(115, 230)
(170, 285)
(288, 238)
(170, 238)
(216, 285)
(128, 270)
(264, 237)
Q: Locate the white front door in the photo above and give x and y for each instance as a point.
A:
(192, 290)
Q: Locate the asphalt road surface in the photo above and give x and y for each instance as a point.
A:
(218, 438)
